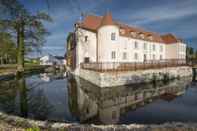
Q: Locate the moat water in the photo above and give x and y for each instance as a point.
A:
(54, 97)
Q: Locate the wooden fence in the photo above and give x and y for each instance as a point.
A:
(132, 66)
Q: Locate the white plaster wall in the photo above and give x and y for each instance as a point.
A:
(106, 45)
(171, 51)
(120, 45)
(125, 44)
(85, 49)
(176, 51)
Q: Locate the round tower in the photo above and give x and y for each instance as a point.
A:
(108, 34)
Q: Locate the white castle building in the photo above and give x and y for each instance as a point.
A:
(101, 39)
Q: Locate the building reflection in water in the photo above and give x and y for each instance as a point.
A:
(105, 105)
(48, 77)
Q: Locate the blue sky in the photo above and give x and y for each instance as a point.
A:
(163, 16)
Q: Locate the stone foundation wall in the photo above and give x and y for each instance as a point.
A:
(109, 79)
(45, 125)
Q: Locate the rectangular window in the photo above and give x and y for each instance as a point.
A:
(145, 57)
(86, 38)
(86, 59)
(183, 49)
(153, 57)
(145, 46)
(113, 55)
(114, 115)
(161, 57)
(153, 47)
(161, 48)
(136, 45)
(124, 56)
(113, 36)
(136, 56)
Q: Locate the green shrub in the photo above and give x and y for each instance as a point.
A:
(33, 129)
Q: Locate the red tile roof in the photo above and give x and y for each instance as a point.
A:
(170, 38)
(92, 23)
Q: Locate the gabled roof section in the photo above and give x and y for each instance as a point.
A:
(91, 22)
(170, 39)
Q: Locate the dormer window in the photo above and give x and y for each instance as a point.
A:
(141, 35)
(122, 31)
(150, 37)
(113, 36)
(133, 34)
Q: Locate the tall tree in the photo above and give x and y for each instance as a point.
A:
(7, 49)
(28, 28)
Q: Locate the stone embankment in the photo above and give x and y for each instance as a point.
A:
(109, 79)
(16, 123)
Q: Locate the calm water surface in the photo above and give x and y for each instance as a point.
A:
(69, 99)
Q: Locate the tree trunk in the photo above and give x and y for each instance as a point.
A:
(1, 60)
(20, 47)
(23, 96)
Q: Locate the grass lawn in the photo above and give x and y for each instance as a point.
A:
(11, 68)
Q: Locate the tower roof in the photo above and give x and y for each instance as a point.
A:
(107, 19)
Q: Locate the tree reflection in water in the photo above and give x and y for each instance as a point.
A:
(18, 98)
(7, 96)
